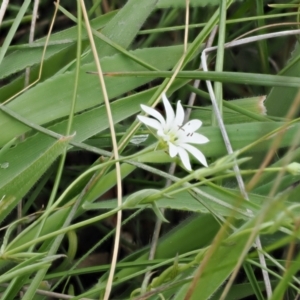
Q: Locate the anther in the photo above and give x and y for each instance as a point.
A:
(180, 127)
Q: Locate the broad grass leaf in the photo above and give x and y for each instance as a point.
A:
(240, 136)
(219, 267)
(26, 164)
(50, 100)
(123, 27)
(51, 66)
(241, 291)
(182, 3)
(30, 56)
(280, 99)
(253, 106)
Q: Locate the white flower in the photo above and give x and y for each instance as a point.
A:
(172, 131)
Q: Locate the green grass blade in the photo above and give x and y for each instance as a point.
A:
(23, 171)
(13, 29)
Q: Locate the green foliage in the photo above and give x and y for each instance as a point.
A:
(182, 3)
(280, 100)
(27, 162)
(68, 183)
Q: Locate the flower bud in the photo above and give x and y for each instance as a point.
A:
(293, 168)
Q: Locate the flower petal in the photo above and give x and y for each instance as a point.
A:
(154, 113)
(192, 126)
(173, 150)
(179, 114)
(170, 115)
(163, 136)
(184, 157)
(150, 122)
(196, 153)
(193, 138)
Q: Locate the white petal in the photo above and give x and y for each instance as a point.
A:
(164, 136)
(170, 115)
(150, 122)
(195, 152)
(193, 138)
(192, 126)
(173, 150)
(184, 157)
(179, 114)
(154, 113)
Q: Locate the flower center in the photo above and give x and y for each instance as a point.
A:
(170, 136)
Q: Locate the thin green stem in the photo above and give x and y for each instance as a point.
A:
(230, 77)
(62, 231)
(54, 246)
(233, 21)
(262, 45)
(220, 60)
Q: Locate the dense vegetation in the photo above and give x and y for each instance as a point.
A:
(188, 211)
